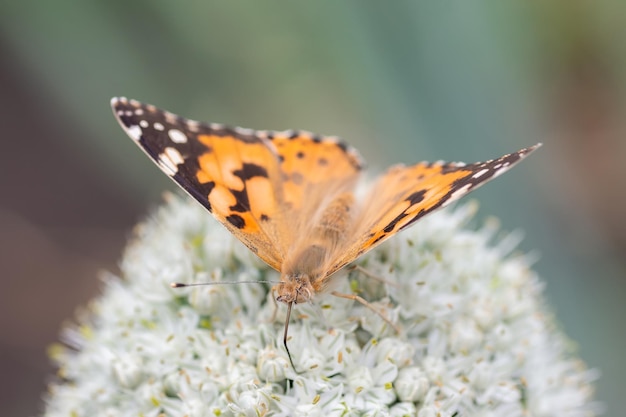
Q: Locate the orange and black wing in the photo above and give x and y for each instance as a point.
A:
(233, 172)
(405, 194)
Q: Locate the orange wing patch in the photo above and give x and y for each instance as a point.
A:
(245, 174)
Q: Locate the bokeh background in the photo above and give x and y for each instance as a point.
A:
(402, 81)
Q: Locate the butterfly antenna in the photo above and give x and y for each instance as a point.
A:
(285, 336)
(199, 284)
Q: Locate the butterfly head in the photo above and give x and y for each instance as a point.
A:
(295, 289)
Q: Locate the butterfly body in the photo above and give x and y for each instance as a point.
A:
(290, 196)
(306, 266)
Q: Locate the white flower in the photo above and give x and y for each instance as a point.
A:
(476, 338)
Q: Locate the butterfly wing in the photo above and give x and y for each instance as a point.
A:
(234, 173)
(404, 194)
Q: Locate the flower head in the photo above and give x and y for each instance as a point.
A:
(476, 337)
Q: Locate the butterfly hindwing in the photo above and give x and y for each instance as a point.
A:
(310, 162)
(404, 194)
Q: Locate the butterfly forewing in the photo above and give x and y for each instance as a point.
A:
(234, 173)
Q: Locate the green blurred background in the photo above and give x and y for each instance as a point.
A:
(402, 81)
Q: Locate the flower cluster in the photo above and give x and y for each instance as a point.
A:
(475, 337)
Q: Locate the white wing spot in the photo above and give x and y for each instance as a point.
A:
(134, 132)
(169, 160)
(177, 136)
(158, 126)
(170, 117)
(244, 131)
(305, 134)
(480, 173)
(139, 112)
(460, 192)
(502, 170)
(288, 133)
(193, 125)
(143, 124)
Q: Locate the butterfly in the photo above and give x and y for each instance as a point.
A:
(291, 197)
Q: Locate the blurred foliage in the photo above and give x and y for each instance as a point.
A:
(402, 81)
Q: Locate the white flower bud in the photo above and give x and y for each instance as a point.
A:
(411, 384)
(428, 411)
(270, 366)
(128, 371)
(403, 409)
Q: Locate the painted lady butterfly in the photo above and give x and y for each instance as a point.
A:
(290, 196)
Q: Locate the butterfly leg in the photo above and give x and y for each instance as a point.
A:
(361, 300)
